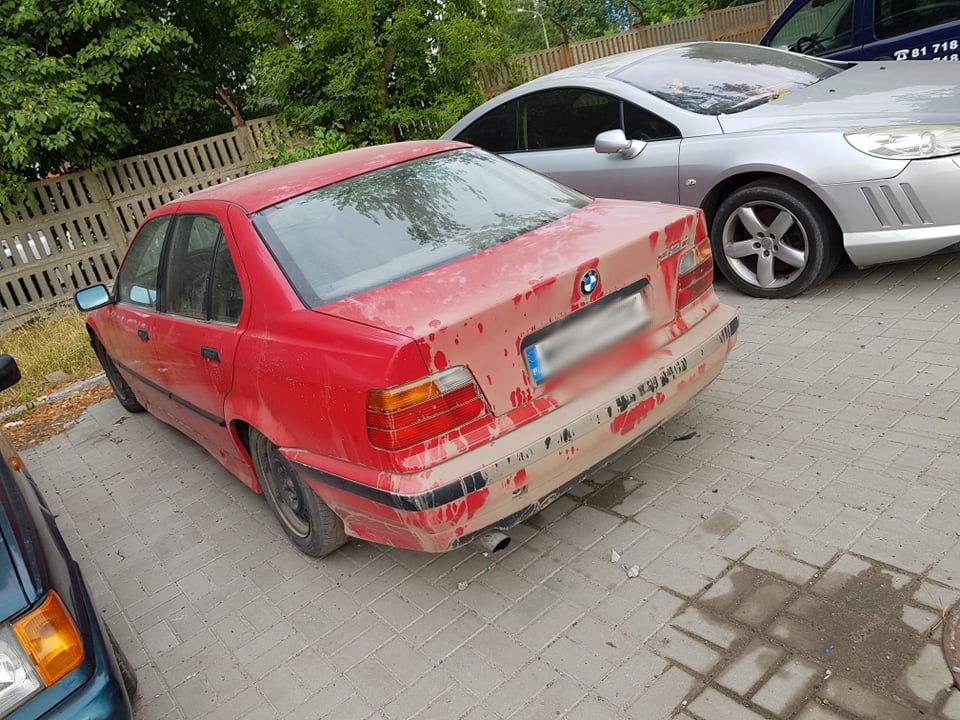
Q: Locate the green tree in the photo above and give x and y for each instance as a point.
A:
(379, 69)
(580, 20)
(585, 19)
(85, 81)
(197, 86)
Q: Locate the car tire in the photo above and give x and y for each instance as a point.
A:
(309, 522)
(127, 673)
(773, 239)
(120, 387)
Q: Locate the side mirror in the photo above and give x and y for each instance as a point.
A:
(9, 372)
(615, 141)
(90, 298)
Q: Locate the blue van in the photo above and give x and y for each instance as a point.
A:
(869, 29)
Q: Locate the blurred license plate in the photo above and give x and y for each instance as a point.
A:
(584, 333)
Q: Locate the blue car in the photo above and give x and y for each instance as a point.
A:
(869, 29)
(57, 657)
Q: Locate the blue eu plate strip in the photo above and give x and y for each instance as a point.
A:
(533, 362)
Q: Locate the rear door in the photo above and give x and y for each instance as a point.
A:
(203, 304)
(553, 132)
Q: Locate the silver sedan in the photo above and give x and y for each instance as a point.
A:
(794, 160)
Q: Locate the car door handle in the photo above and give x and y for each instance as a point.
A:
(210, 353)
(143, 334)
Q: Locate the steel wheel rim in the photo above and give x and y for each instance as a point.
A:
(287, 495)
(765, 244)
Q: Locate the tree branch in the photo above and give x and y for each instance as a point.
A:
(237, 117)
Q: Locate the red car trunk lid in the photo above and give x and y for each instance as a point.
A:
(476, 311)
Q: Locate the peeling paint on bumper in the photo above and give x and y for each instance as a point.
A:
(513, 477)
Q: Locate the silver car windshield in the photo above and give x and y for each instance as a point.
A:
(382, 226)
(724, 78)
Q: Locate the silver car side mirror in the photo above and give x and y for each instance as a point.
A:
(615, 141)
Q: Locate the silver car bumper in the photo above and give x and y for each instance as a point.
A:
(914, 214)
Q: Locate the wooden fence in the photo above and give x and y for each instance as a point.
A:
(745, 23)
(73, 229)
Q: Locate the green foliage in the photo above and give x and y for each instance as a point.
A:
(85, 81)
(284, 147)
(382, 69)
(53, 104)
(667, 10)
(585, 19)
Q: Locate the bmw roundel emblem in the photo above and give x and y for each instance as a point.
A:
(589, 281)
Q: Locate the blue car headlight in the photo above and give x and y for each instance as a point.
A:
(36, 650)
(18, 678)
(907, 142)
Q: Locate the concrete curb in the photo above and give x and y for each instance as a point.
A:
(93, 380)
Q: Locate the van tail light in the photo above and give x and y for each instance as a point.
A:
(405, 415)
(51, 639)
(695, 275)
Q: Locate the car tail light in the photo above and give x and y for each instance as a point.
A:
(696, 273)
(51, 639)
(405, 415)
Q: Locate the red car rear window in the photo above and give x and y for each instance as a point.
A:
(371, 230)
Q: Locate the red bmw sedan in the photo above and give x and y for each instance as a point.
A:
(419, 344)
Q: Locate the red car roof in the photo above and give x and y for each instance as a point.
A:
(268, 187)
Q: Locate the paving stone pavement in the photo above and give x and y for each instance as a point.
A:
(795, 553)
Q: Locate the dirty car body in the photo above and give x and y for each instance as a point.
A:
(422, 342)
(794, 160)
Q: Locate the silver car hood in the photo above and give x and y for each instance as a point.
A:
(869, 93)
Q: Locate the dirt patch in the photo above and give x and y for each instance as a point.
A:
(847, 630)
(40, 423)
(859, 627)
(612, 493)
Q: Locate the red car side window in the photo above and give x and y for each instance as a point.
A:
(226, 298)
(137, 282)
(188, 265)
(201, 281)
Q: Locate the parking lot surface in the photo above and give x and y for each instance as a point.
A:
(793, 539)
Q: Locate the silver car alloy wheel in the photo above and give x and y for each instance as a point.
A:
(765, 244)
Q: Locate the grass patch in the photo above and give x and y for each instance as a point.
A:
(57, 341)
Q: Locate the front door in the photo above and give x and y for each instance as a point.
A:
(132, 320)
(557, 129)
(553, 132)
(197, 340)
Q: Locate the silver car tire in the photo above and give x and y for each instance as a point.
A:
(773, 239)
(309, 522)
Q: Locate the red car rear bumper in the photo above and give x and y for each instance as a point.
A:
(505, 481)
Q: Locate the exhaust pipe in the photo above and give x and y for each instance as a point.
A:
(492, 542)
